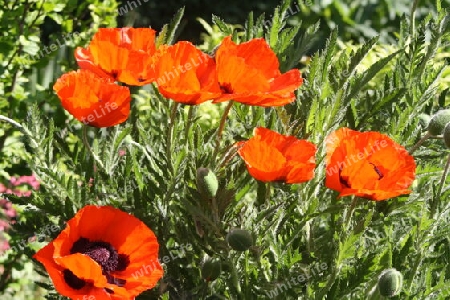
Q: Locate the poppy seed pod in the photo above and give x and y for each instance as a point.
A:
(390, 283)
(239, 239)
(211, 269)
(438, 122)
(207, 183)
(447, 135)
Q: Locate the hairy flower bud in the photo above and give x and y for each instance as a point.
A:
(424, 120)
(207, 183)
(438, 122)
(390, 283)
(211, 269)
(447, 135)
(239, 239)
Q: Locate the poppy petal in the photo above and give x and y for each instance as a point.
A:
(300, 161)
(140, 39)
(186, 74)
(56, 273)
(122, 54)
(93, 100)
(102, 251)
(249, 73)
(84, 268)
(85, 61)
(270, 156)
(264, 162)
(367, 164)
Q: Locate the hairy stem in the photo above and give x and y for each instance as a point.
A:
(221, 127)
(420, 142)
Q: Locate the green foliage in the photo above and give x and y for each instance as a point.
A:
(362, 19)
(35, 35)
(334, 249)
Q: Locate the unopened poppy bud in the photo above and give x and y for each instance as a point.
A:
(447, 135)
(207, 183)
(424, 120)
(438, 122)
(211, 269)
(390, 283)
(239, 239)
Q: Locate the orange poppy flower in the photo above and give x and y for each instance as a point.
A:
(122, 54)
(367, 164)
(186, 74)
(270, 156)
(103, 252)
(249, 73)
(93, 100)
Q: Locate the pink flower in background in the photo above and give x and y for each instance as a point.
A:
(4, 225)
(16, 186)
(4, 245)
(19, 186)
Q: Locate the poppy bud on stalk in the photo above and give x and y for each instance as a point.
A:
(207, 183)
(424, 120)
(211, 269)
(240, 239)
(390, 283)
(438, 122)
(447, 135)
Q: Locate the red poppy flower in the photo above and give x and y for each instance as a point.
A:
(367, 164)
(186, 74)
(122, 54)
(103, 252)
(249, 73)
(93, 100)
(270, 156)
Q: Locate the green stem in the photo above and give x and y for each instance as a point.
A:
(412, 17)
(88, 147)
(330, 282)
(420, 142)
(349, 214)
(248, 294)
(267, 196)
(190, 118)
(221, 127)
(337, 265)
(414, 269)
(215, 210)
(227, 156)
(235, 279)
(444, 176)
(173, 114)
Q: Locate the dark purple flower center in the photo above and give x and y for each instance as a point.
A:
(226, 88)
(380, 175)
(115, 74)
(105, 255)
(346, 183)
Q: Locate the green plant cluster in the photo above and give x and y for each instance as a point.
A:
(333, 248)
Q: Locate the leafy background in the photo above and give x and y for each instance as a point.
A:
(368, 65)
